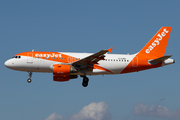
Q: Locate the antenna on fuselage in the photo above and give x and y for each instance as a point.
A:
(33, 50)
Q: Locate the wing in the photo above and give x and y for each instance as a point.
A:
(92, 59)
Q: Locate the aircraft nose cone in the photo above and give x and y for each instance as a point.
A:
(7, 64)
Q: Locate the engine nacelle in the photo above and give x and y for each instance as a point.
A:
(62, 72)
(64, 78)
(61, 78)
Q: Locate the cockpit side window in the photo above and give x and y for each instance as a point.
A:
(17, 57)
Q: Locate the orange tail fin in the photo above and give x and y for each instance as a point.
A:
(152, 55)
(157, 45)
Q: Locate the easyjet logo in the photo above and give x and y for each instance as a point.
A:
(48, 55)
(157, 41)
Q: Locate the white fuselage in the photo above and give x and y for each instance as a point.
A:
(113, 62)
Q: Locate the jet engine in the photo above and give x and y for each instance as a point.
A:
(62, 72)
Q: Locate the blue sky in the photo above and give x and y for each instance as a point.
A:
(88, 26)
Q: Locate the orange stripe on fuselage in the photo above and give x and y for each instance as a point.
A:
(142, 64)
(101, 68)
(51, 56)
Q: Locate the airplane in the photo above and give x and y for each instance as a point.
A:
(66, 65)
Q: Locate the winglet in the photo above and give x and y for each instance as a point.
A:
(110, 49)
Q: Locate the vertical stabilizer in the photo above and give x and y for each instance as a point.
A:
(157, 45)
(152, 55)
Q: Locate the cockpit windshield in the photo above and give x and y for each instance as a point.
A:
(16, 57)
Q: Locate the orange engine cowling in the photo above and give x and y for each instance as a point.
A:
(61, 78)
(62, 72)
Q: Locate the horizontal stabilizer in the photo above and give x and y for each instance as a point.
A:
(158, 60)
